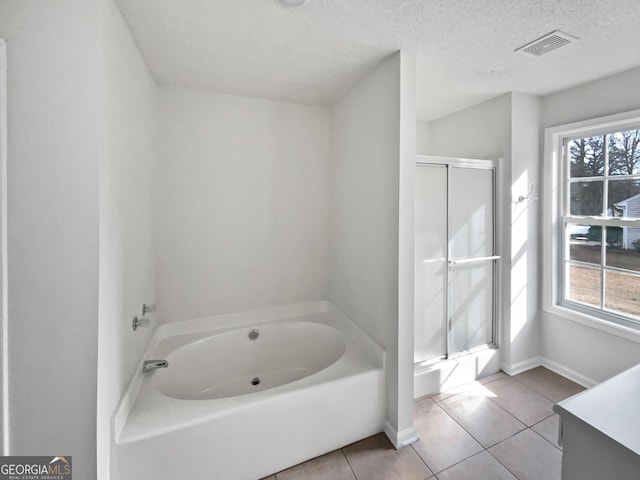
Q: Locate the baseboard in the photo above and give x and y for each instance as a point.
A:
(401, 439)
(568, 373)
(516, 368)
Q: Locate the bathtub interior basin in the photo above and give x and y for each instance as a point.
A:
(249, 360)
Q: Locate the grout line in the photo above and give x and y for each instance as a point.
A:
(506, 468)
(463, 428)
(507, 438)
(422, 459)
(348, 463)
(468, 433)
(508, 413)
(545, 439)
(463, 460)
(514, 416)
(503, 409)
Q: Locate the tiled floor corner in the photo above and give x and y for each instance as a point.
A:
(498, 427)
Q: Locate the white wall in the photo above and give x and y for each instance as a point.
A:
(406, 238)
(242, 204)
(522, 331)
(369, 158)
(584, 352)
(480, 131)
(422, 138)
(127, 174)
(53, 151)
(505, 127)
(614, 94)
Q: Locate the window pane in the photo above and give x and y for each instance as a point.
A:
(624, 198)
(583, 285)
(586, 156)
(586, 198)
(621, 248)
(622, 293)
(624, 153)
(585, 243)
(601, 263)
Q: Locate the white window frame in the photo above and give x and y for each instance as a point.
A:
(552, 222)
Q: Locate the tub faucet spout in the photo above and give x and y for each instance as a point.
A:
(151, 365)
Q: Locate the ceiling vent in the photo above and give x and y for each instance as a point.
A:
(550, 42)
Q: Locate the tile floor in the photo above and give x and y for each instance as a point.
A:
(498, 427)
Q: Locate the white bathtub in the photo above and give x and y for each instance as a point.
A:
(231, 407)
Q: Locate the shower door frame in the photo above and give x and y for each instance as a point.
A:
(493, 165)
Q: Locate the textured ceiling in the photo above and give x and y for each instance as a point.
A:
(314, 53)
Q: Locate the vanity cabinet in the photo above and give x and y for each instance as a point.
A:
(600, 430)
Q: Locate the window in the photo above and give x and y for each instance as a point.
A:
(595, 221)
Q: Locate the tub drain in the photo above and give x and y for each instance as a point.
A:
(255, 381)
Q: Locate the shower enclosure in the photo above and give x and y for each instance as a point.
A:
(455, 258)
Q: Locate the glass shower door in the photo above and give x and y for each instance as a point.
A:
(431, 263)
(472, 258)
(455, 258)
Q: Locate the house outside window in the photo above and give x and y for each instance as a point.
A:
(592, 263)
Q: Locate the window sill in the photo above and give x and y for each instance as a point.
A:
(628, 333)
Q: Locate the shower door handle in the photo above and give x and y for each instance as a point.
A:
(473, 260)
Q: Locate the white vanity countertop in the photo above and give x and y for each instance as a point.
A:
(612, 407)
